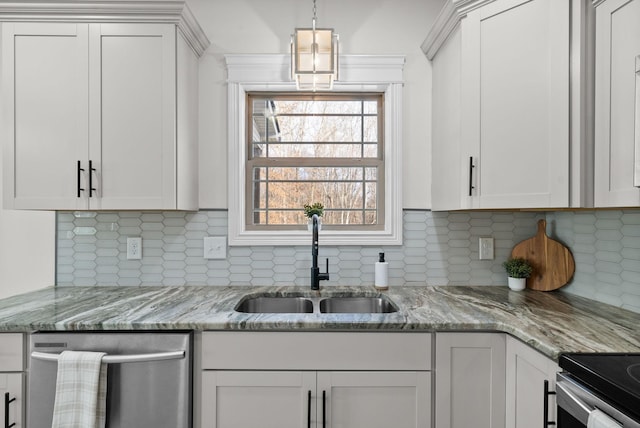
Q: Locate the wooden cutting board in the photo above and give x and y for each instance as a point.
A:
(552, 262)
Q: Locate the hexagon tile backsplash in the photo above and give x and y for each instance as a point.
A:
(439, 249)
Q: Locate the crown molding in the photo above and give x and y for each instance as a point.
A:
(276, 68)
(140, 11)
(447, 21)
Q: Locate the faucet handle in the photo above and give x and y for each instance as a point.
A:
(325, 275)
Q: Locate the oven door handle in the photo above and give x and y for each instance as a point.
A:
(571, 403)
(118, 359)
(560, 388)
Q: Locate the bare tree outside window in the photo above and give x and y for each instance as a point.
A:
(307, 148)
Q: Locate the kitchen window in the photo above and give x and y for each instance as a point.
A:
(308, 148)
(285, 150)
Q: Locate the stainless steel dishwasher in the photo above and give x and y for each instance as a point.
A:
(149, 376)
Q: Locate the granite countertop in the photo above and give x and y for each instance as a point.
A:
(550, 322)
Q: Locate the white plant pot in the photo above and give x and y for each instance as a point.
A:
(517, 284)
(310, 224)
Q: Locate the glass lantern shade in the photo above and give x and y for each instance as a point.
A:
(314, 59)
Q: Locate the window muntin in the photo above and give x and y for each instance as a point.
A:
(306, 148)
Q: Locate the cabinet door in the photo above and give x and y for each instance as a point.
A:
(470, 380)
(617, 47)
(527, 370)
(374, 399)
(11, 384)
(515, 114)
(133, 115)
(241, 399)
(45, 100)
(447, 187)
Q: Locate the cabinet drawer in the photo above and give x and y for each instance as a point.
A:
(11, 352)
(316, 351)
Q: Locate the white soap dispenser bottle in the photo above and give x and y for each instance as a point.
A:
(381, 281)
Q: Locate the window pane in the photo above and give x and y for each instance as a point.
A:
(371, 173)
(370, 107)
(309, 173)
(370, 129)
(334, 195)
(318, 150)
(307, 107)
(370, 195)
(370, 151)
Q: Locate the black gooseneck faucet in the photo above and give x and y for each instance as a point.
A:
(316, 276)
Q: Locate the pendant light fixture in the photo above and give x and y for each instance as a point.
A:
(314, 57)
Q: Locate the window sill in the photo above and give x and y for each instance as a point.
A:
(328, 237)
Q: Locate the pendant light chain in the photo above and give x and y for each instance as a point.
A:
(315, 16)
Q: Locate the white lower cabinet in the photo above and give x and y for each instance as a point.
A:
(257, 398)
(527, 371)
(363, 380)
(470, 380)
(11, 392)
(281, 399)
(372, 380)
(12, 380)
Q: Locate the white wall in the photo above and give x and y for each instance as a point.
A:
(364, 26)
(27, 241)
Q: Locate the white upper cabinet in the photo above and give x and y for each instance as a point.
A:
(617, 124)
(507, 79)
(100, 115)
(45, 97)
(132, 116)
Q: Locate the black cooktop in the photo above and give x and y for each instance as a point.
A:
(614, 377)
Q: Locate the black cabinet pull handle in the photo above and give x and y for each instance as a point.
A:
(7, 401)
(545, 416)
(91, 171)
(309, 409)
(471, 166)
(324, 409)
(79, 171)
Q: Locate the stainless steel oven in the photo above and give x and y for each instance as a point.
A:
(607, 382)
(149, 376)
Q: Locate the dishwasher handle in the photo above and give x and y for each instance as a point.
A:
(119, 359)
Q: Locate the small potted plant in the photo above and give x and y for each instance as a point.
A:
(518, 270)
(310, 210)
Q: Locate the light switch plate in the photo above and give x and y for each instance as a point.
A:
(215, 247)
(486, 248)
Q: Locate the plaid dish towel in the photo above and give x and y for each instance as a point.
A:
(81, 390)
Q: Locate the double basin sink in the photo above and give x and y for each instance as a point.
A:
(323, 305)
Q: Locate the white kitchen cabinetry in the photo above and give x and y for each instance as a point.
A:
(617, 120)
(12, 379)
(508, 123)
(101, 116)
(470, 380)
(526, 373)
(316, 379)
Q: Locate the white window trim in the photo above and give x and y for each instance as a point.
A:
(366, 73)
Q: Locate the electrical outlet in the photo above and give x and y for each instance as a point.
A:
(134, 248)
(486, 248)
(215, 247)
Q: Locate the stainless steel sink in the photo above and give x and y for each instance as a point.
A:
(357, 305)
(275, 305)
